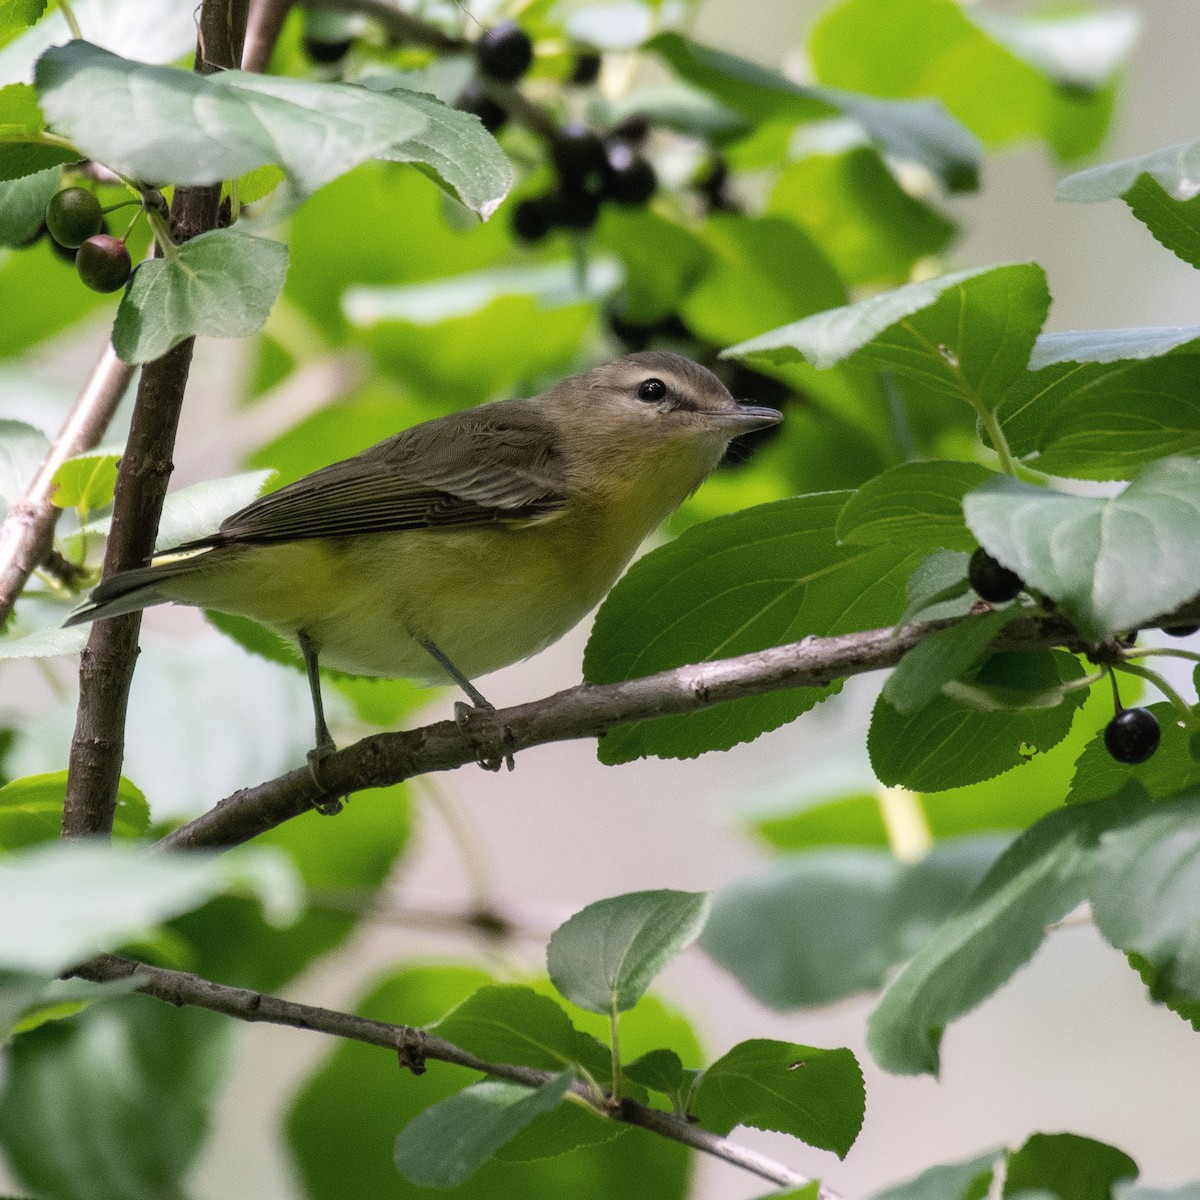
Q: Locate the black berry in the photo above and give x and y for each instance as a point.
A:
(1180, 630)
(991, 581)
(570, 208)
(634, 129)
(1132, 736)
(504, 52)
(326, 53)
(578, 155)
(72, 216)
(473, 99)
(586, 69)
(103, 263)
(532, 219)
(629, 179)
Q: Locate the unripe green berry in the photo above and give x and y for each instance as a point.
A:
(72, 216)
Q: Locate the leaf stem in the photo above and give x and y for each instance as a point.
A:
(1187, 715)
(64, 6)
(162, 233)
(1161, 651)
(614, 1025)
(996, 436)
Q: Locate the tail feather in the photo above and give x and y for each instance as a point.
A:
(130, 591)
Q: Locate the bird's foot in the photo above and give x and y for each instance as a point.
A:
(463, 713)
(327, 806)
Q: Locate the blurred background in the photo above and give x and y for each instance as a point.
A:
(1070, 1044)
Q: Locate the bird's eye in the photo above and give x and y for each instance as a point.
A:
(651, 390)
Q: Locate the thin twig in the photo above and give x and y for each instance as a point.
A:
(262, 32)
(27, 535)
(106, 667)
(588, 710)
(402, 28)
(414, 1047)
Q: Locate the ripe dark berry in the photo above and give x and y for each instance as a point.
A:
(103, 263)
(1132, 736)
(634, 129)
(586, 69)
(473, 99)
(991, 581)
(532, 219)
(504, 52)
(578, 155)
(1180, 630)
(629, 178)
(326, 53)
(72, 216)
(572, 209)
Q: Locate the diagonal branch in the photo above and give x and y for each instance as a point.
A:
(27, 535)
(414, 1047)
(588, 710)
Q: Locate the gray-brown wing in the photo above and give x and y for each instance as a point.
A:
(500, 462)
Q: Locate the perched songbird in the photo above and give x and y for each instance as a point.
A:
(465, 543)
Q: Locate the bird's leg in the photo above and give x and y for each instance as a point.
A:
(462, 712)
(325, 744)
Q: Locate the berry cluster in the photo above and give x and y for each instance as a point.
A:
(75, 221)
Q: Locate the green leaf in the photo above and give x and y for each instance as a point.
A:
(22, 12)
(22, 450)
(1111, 564)
(452, 1139)
(869, 227)
(934, 48)
(824, 925)
(1112, 345)
(23, 205)
(659, 1070)
(197, 510)
(100, 1081)
(165, 125)
(1145, 892)
(815, 1095)
(939, 587)
(1171, 769)
(45, 643)
(942, 657)
(1037, 881)
(55, 918)
(916, 504)
(950, 742)
(87, 481)
(1160, 188)
(353, 1105)
(761, 271)
(916, 131)
(761, 577)
(1067, 1166)
(966, 336)
(31, 810)
(22, 149)
(606, 956)
(969, 1180)
(220, 284)
(511, 1024)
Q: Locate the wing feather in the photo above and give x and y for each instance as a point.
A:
(500, 462)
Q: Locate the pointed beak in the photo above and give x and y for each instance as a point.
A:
(747, 418)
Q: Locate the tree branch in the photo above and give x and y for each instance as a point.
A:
(402, 28)
(106, 667)
(414, 1047)
(27, 535)
(588, 710)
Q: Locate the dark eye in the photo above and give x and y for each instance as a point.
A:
(652, 390)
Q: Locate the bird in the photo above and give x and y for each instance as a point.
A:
(462, 544)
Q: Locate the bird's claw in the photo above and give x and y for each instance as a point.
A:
(327, 806)
(463, 712)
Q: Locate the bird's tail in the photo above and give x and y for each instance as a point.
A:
(130, 591)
